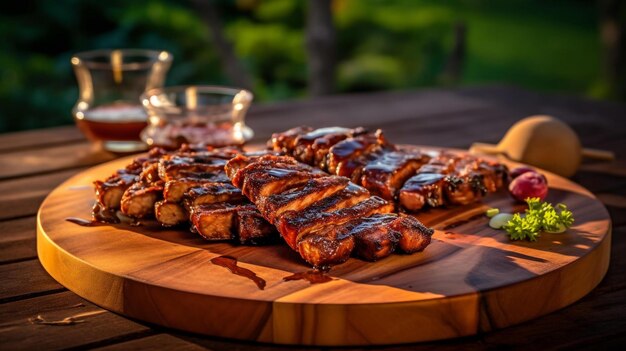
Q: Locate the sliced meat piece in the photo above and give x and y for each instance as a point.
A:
(224, 221)
(150, 174)
(297, 199)
(374, 238)
(465, 185)
(312, 147)
(348, 197)
(294, 224)
(175, 189)
(494, 174)
(370, 238)
(110, 191)
(210, 193)
(239, 167)
(385, 175)
(265, 183)
(180, 166)
(414, 236)
(463, 190)
(214, 221)
(252, 228)
(422, 189)
(325, 247)
(138, 200)
(234, 165)
(169, 214)
(352, 154)
(286, 141)
(264, 178)
(303, 149)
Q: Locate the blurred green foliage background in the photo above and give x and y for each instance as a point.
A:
(382, 45)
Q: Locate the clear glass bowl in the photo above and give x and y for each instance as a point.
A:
(108, 109)
(209, 115)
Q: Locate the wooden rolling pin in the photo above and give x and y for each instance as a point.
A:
(544, 142)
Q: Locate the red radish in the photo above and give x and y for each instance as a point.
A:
(529, 184)
(516, 172)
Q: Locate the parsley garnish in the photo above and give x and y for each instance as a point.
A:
(540, 216)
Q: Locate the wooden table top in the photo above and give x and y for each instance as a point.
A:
(34, 162)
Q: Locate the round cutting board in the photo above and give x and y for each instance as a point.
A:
(470, 279)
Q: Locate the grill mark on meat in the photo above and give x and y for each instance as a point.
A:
(384, 169)
(322, 217)
(211, 193)
(386, 174)
(297, 199)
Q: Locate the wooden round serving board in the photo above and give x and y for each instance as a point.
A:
(470, 279)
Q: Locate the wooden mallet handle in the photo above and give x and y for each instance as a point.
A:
(598, 154)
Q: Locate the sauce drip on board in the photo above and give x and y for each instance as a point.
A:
(231, 264)
(103, 215)
(99, 216)
(313, 276)
(83, 222)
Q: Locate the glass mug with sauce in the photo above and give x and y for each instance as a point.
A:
(209, 115)
(110, 84)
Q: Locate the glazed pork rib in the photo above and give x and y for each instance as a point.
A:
(325, 218)
(239, 222)
(406, 176)
(366, 158)
(185, 186)
(109, 192)
(452, 179)
(168, 179)
(199, 191)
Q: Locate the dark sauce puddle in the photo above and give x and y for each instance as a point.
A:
(99, 216)
(231, 264)
(83, 222)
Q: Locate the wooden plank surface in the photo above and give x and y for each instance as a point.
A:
(56, 158)
(22, 196)
(22, 280)
(17, 242)
(88, 324)
(599, 124)
(40, 138)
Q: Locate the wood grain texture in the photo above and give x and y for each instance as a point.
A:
(56, 158)
(40, 138)
(17, 239)
(470, 279)
(23, 196)
(25, 279)
(93, 325)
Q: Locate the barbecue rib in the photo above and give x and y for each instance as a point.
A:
(185, 186)
(109, 192)
(408, 177)
(329, 192)
(323, 217)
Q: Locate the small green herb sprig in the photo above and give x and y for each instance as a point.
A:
(540, 216)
